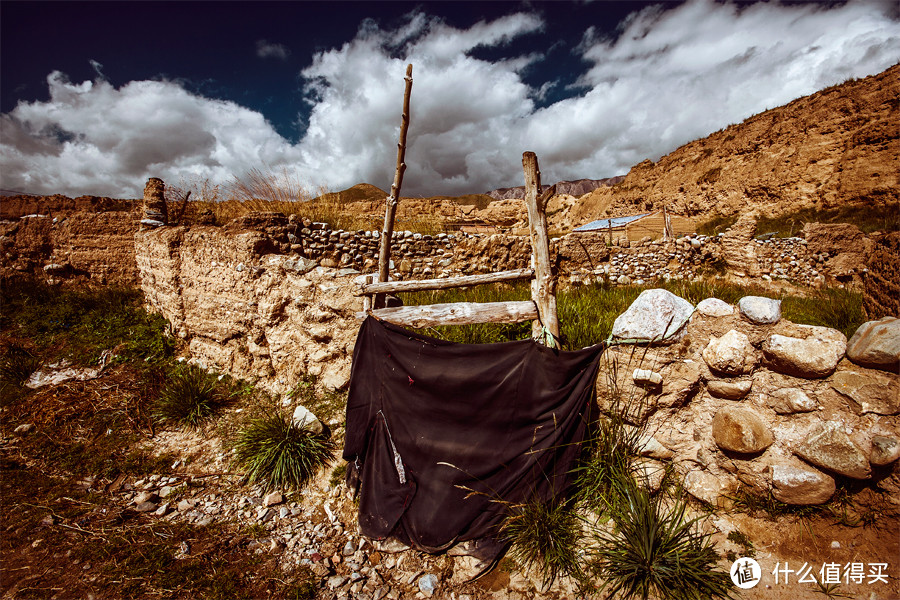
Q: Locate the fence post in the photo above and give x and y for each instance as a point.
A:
(543, 286)
(387, 232)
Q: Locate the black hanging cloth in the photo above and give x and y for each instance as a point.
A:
(443, 437)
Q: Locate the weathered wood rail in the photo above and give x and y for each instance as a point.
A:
(541, 310)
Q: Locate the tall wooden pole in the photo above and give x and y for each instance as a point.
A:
(387, 232)
(543, 286)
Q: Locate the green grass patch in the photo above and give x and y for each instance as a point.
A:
(191, 395)
(81, 325)
(544, 536)
(656, 551)
(838, 308)
(280, 455)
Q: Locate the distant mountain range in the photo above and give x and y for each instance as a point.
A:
(579, 187)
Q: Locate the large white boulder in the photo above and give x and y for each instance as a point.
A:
(813, 356)
(655, 316)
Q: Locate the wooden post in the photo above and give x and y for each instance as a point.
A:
(543, 286)
(387, 232)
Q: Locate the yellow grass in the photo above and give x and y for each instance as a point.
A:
(276, 191)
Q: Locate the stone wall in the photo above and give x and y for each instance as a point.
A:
(771, 407)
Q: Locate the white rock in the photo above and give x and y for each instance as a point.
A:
(713, 307)
(760, 310)
(656, 315)
(304, 419)
(816, 355)
(273, 498)
(796, 483)
(731, 354)
(646, 376)
(791, 400)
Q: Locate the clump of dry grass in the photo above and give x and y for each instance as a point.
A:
(268, 190)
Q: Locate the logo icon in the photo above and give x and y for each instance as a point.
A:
(745, 573)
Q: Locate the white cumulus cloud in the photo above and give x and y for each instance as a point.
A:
(266, 49)
(92, 138)
(668, 76)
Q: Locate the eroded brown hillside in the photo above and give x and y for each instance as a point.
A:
(835, 147)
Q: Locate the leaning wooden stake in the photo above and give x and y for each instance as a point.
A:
(387, 232)
(543, 286)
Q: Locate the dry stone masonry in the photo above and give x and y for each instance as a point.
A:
(770, 407)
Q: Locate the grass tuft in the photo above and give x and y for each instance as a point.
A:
(656, 550)
(545, 536)
(17, 365)
(190, 396)
(279, 454)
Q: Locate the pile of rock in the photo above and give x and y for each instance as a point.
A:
(746, 399)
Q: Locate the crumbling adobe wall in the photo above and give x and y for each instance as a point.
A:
(88, 237)
(247, 310)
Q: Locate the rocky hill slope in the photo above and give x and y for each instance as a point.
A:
(834, 147)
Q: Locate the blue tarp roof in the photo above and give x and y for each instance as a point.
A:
(605, 223)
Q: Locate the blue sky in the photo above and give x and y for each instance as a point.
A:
(96, 97)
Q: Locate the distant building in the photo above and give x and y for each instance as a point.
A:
(654, 225)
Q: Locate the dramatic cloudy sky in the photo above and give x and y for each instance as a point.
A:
(97, 97)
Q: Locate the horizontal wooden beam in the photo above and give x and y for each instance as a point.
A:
(418, 285)
(458, 313)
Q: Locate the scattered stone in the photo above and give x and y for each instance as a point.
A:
(283, 512)
(57, 373)
(709, 488)
(815, 356)
(741, 430)
(656, 315)
(336, 581)
(759, 310)
(466, 568)
(392, 546)
(163, 510)
(145, 497)
(876, 344)
(265, 514)
(871, 392)
(791, 400)
(303, 418)
(185, 505)
(650, 447)
(731, 354)
(885, 450)
(349, 548)
(143, 507)
(730, 390)
(829, 447)
(646, 377)
(650, 473)
(273, 499)
(713, 307)
(428, 584)
(24, 428)
(166, 491)
(796, 483)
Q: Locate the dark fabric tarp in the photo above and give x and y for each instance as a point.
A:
(428, 420)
